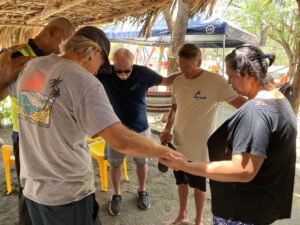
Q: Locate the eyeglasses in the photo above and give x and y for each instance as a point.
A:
(123, 71)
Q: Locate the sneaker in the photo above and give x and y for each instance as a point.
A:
(143, 200)
(115, 205)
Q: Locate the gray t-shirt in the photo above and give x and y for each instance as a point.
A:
(59, 104)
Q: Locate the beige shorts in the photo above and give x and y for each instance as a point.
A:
(116, 158)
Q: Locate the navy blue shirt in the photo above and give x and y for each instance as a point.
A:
(128, 97)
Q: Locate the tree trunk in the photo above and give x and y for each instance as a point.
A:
(263, 33)
(296, 77)
(296, 80)
(179, 27)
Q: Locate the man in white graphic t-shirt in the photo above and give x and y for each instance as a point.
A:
(195, 99)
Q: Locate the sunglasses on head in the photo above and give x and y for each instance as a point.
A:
(123, 71)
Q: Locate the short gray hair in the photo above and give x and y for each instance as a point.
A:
(80, 45)
(123, 51)
(189, 51)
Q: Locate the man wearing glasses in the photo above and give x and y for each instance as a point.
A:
(126, 88)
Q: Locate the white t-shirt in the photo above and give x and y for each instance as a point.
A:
(59, 104)
(197, 100)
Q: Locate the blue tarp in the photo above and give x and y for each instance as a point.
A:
(208, 33)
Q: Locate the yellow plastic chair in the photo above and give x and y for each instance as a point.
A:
(97, 152)
(91, 140)
(8, 159)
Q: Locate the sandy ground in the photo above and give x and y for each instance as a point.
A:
(161, 188)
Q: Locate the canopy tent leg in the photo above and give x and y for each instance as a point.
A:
(223, 74)
(221, 105)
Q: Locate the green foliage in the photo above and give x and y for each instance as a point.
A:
(279, 15)
(5, 111)
(250, 14)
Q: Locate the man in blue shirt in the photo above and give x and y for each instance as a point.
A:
(126, 88)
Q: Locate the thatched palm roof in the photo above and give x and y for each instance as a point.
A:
(20, 19)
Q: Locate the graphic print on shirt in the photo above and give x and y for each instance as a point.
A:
(134, 87)
(198, 96)
(34, 106)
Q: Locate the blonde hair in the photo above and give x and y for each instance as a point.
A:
(80, 45)
(123, 51)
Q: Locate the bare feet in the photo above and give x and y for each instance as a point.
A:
(179, 221)
(198, 222)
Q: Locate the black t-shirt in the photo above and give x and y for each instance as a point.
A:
(128, 97)
(265, 128)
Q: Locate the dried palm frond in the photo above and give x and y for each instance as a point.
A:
(20, 20)
(205, 7)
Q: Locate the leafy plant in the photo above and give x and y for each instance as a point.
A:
(5, 111)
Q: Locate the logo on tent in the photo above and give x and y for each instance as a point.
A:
(210, 29)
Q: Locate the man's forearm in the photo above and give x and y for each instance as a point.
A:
(171, 119)
(130, 143)
(10, 68)
(167, 81)
(242, 168)
(138, 145)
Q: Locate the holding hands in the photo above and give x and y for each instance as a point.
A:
(175, 159)
(177, 162)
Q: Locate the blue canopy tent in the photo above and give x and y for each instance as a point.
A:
(209, 33)
(205, 33)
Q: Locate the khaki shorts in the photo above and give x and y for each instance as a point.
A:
(116, 158)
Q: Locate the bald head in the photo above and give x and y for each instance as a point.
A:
(123, 62)
(124, 54)
(61, 21)
(56, 31)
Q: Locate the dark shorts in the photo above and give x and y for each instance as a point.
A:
(82, 212)
(192, 180)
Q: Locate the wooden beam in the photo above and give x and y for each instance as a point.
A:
(49, 11)
(20, 25)
(133, 11)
